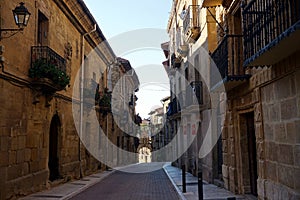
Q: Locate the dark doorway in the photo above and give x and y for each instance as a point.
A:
(53, 163)
(249, 158)
(219, 160)
(252, 152)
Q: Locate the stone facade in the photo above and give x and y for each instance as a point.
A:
(260, 134)
(118, 122)
(191, 40)
(39, 144)
(273, 101)
(272, 96)
(124, 84)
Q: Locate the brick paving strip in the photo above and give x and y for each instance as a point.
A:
(126, 186)
(156, 181)
(116, 185)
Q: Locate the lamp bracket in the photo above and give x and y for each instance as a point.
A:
(11, 29)
(8, 30)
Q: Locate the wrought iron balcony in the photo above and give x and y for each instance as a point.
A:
(172, 109)
(181, 45)
(48, 69)
(271, 30)
(181, 101)
(192, 24)
(48, 72)
(175, 61)
(228, 58)
(212, 3)
(194, 94)
(104, 102)
(50, 56)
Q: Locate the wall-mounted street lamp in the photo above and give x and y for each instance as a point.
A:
(21, 16)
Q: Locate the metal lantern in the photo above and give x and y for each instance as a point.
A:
(21, 15)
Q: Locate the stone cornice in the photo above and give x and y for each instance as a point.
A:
(172, 15)
(69, 14)
(83, 21)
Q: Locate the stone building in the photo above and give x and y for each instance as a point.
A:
(39, 144)
(260, 136)
(123, 83)
(256, 55)
(145, 147)
(165, 137)
(190, 29)
(156, 128)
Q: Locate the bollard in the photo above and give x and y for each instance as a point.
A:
(200, 185)
(183, 179)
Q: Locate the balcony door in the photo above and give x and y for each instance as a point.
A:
(43, 29)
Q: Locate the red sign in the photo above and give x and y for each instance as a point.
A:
(194, 129)
(184, 130)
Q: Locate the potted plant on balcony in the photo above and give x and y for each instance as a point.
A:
(105, 101)
(47, 76)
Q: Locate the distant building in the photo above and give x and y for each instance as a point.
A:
(145, 148)
(156, 128)
(124, 83)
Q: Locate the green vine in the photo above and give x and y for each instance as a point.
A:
(105, 99)
(43, 69)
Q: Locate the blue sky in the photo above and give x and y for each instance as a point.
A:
(116, 17)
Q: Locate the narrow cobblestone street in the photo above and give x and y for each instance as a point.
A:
(122, 185)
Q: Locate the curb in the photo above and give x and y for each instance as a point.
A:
(61, 192)
(72, 194)
(103, 176)
(180, 194)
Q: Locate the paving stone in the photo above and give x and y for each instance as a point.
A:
(123, 185)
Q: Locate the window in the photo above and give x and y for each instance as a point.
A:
(196, 63)
(43, 25)
(186, 72)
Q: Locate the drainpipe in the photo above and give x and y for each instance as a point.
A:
(194, 11)
(81, 95)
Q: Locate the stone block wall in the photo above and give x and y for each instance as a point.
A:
(272, 94)
(280, 105)
(24, 126)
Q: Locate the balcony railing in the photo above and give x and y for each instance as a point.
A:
(48, 70)
(228, 58)
(266, 23)
(181, 45)
(50, 56)
(175, 61)
(104, 102)
(213, 3)
(197, 87)
(194, 94)
(48, 73)
(172, 110)
(192, 23)
(181, 101)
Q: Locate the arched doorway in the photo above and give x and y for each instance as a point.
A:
(145, 155)
(53, 162)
